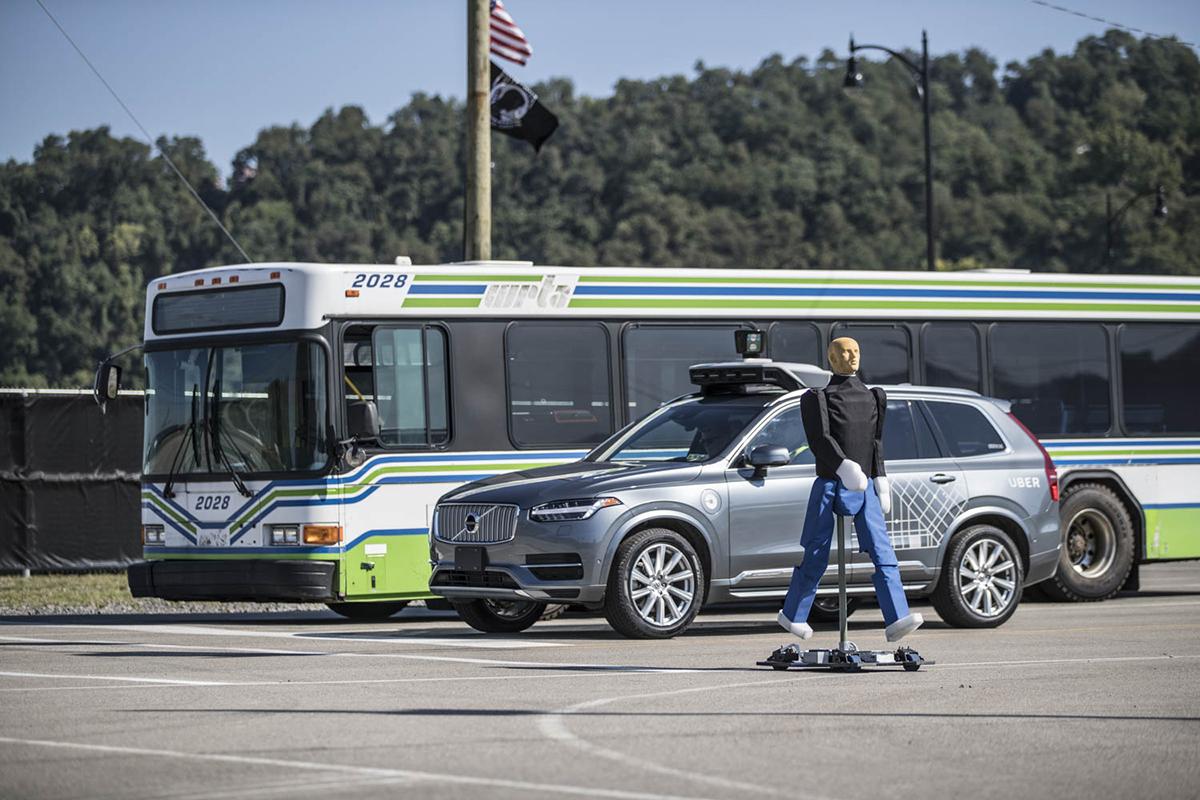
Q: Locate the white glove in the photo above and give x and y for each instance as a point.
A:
(852, 476)
(884, 490)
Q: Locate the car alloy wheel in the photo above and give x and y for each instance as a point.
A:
(987, 577)
(662, 585)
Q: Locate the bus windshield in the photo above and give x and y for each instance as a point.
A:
(258, 408)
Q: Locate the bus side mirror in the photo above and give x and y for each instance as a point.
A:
(362, 420)
(107, 384)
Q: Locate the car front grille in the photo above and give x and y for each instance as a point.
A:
(475, 523)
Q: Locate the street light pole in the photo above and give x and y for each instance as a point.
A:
(1113, 219)
(478, 234)
(921, 73)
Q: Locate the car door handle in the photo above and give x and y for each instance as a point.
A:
(942, 477)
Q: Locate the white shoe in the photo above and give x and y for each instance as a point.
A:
(903, 627)
(800, 629)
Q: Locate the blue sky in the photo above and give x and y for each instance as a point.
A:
(221, 69)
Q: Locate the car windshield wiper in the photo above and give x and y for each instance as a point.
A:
(214, 422)
(189, 432)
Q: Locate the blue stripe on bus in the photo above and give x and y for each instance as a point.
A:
(840, 291)
(452, 288)
(1170, 505)
(170, 522)
(276, 549)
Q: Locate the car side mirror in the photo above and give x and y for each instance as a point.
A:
(768, 455)
(107, 384)
(362, 420)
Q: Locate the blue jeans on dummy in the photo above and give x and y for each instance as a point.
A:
(829, 497)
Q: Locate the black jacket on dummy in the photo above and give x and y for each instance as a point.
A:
(845, 420)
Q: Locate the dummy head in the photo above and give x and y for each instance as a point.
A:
(843, 356)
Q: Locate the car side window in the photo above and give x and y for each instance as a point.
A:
(786, 429)
(906, 434)
(966, 431)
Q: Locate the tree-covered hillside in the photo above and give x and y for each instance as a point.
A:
(775, 168)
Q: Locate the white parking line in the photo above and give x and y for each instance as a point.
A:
(483, 642)
(349, 769)
(119, 679)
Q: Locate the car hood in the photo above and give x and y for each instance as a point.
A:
(568, 481)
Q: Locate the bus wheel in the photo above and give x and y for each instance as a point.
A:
(825, 608)
(367, 611)
(981, 580)
(499, 616)
(553, 611)
(1097, 551)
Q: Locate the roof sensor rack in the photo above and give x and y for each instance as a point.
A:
(736, 376)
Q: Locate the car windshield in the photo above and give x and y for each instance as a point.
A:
(699, 429)
(264, 405)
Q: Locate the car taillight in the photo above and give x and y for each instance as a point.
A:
(1047, 462)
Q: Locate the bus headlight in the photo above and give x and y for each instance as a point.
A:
(570, 510)
(285, 534)
(153, 534)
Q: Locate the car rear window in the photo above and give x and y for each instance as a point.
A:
(966, 430)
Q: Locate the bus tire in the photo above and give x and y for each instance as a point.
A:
(624, 612)
(1098, 543)
(367, 611)
(499, 616)
(553, 611)
(964, 607)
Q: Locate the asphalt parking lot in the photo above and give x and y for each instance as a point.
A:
(1094, 700)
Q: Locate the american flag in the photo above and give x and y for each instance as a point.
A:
(508, 41)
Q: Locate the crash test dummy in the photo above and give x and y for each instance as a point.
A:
(844, 425)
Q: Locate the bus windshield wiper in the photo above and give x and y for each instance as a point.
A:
(214, 421)
(189, 432)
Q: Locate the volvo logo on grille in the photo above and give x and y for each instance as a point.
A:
(471, 524)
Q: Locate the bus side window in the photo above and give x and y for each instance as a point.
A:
(950, 352)
(1160, 378)
(409, 380)
(559, 388)
(885, 350)
(1055, 374)
(657, 357)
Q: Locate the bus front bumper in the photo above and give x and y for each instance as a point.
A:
(253, 580)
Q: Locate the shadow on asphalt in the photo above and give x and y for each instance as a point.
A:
(534, 712)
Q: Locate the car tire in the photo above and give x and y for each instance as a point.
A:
(652, 609)
(367, 611)
(1098, 543)
(825, 608)
(991, 593)
(499, 616)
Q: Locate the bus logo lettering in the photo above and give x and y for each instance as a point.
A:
(554, 291)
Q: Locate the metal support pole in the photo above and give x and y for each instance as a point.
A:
(930, 255)
(477, 236)
(843, 625)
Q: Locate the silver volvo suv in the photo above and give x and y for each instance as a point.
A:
(702, 501)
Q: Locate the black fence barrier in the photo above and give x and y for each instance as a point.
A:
(69, 481)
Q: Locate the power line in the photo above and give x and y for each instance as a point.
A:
(1109, 22)
(145, 132)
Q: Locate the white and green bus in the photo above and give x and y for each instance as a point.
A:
(302, 420)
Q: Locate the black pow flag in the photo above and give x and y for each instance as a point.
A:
(517, 112)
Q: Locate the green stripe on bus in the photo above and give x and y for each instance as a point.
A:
(170, 512)
(441, 302)
(669, 279)
(1173, 533)
(440, 278)
(896, 305)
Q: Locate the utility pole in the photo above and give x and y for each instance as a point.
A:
(478, 233)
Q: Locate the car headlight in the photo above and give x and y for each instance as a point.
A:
(153, 534)
(566, 510)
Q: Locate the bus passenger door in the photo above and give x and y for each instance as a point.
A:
(386, 500)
